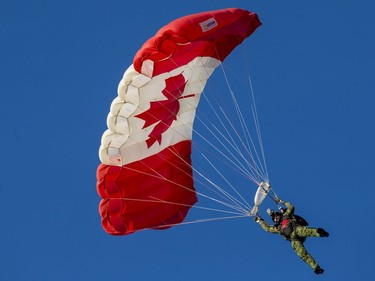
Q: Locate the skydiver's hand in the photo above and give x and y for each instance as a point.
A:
(258, 219)
(278, 200)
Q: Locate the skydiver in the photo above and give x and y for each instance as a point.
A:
(286, 224)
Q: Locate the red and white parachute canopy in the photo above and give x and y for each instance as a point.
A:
(145, 152)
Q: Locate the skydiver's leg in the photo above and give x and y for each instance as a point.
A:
(303, 254)
(303, 231)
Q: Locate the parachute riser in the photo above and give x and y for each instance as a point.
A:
(274, 198)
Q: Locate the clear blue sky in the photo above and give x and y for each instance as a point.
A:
(313, 74)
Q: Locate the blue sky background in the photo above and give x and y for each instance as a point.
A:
(312, 65)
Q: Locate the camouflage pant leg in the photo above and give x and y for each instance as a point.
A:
(303, 254)
(303, 231)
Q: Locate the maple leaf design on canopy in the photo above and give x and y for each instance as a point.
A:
(164, 112)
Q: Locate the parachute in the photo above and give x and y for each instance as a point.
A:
(145, 178)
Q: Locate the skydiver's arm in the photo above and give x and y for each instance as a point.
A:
(289, 208)
(268, 228)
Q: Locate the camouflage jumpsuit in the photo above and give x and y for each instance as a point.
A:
(297, 237)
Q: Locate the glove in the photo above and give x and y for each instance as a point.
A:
(278, 200)
(258, 219)
(270, 212)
